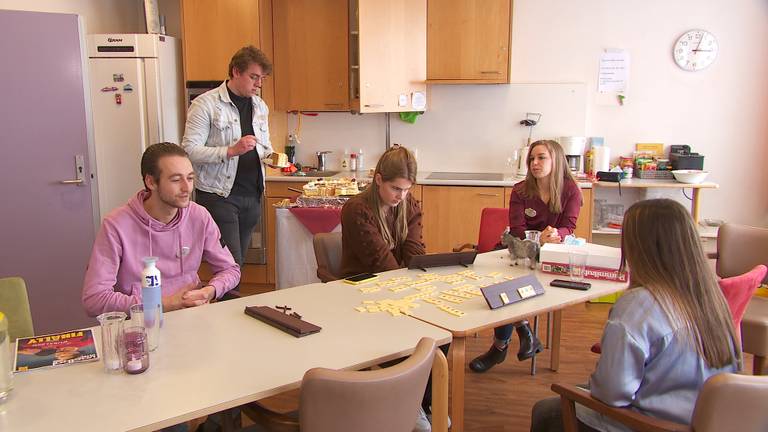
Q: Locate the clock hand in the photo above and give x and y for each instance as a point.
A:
(698, 50)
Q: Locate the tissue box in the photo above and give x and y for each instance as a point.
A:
(602, 263)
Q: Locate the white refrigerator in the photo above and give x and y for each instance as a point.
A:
(137, 100)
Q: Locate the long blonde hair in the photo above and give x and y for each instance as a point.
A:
(661, 246)
(557, 178)
(397, 162)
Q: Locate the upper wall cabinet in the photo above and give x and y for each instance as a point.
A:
(213, 31)
(468, 41)
(340, 55)
(311, 55)
(389, 55)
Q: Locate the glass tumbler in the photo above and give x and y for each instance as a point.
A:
(533, 235)
(150, 323)
(111, 339)
(135, 350)
(577, 264)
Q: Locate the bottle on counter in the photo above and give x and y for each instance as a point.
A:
(290, 148)
(152, 299)
(345, 161)
(6, 374)
(353, 162)
(360, 164)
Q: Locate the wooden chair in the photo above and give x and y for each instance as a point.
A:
(14, 303)
(726, 402)
(328, 255)
(739, 249)
(382, 400)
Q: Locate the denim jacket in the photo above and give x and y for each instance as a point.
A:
(213, 125)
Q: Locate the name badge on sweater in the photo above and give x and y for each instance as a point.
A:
(530, 212)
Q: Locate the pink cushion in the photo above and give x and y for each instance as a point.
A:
(738, 290)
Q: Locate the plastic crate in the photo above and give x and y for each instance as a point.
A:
(657, 175)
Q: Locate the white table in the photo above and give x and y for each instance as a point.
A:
(212, 358)
(480, 317)
(295, 262)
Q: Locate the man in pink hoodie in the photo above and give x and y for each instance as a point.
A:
(160, 221)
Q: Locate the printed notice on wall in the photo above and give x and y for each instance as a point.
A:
(614, 71)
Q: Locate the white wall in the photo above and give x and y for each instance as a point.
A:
(721, 111)
(99, 16)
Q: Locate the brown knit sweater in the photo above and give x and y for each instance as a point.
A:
(363, 247)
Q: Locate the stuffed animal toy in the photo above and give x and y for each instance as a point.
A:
(521, 249)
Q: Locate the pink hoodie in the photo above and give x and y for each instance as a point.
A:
(128, 234)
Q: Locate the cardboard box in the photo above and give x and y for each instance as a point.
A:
(602, 263)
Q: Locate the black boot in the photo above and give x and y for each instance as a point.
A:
(529, 344)
(488, 360)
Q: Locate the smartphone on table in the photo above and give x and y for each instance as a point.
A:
(361, 278)
(583, 286)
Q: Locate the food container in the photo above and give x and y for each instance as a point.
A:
(690, 176)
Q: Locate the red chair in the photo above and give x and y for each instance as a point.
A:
(738, 290)
(493, 222)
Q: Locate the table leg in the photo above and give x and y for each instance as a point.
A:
(555, 354)
(457, 352)
(695, 205)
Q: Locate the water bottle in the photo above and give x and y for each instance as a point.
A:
(152, 299)
(6, 374)
(360, 164)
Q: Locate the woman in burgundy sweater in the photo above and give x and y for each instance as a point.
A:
(381, 227)
(548, 200)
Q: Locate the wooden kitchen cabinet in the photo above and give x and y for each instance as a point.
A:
(451, 214)
(311, 55)
(214, 30)
(338, 55)
(388, 54)
(468, 41)
(583, 224)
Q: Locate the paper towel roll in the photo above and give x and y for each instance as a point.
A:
(602, 157)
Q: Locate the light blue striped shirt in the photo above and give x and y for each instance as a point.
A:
(646, 364)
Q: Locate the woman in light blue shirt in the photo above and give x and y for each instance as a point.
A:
(669, 332)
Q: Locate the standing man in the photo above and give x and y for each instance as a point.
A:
(226, 137)
(158, 221)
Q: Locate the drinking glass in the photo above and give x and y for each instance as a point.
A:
(533, 235)
(111, 339)
(135, 350)
(150, 323)
(577, 264)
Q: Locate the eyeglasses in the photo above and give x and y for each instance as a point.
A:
(285, 310)
(257, 77)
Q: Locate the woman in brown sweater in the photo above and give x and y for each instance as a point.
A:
(381, 227)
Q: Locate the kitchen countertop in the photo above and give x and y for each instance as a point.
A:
(421, 178)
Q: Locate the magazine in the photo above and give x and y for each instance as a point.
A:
(58, 349)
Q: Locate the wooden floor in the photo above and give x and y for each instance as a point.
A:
(501, 399)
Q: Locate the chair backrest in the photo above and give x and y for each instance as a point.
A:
(740, 248)
(493, 222)
(14, 303)
(732, 402)
(383, 400)
(328, 255)
(738, 292)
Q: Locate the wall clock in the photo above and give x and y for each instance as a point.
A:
(695, 50)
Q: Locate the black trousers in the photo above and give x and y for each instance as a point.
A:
(235, 216)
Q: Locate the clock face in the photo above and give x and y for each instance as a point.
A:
(695, 50)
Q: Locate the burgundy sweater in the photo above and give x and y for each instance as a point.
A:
(533, 214)
(363, 247)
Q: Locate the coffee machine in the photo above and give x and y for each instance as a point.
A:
(573, 147)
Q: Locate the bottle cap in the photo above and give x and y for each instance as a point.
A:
(149, 260)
